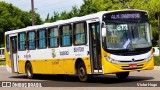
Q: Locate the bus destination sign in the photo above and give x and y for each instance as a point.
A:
(126, 15)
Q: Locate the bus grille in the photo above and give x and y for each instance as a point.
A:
(140, 60)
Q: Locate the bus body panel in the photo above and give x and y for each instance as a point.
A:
(21, 66)
(54, 66)
(8, 62)
(109, 67)
(42, 63)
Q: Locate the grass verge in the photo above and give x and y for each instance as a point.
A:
(2, 62)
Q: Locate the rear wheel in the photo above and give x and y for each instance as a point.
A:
(122, 75)
(82, 74)
(29, 71)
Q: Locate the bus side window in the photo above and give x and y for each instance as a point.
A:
(66, 35)
(0, 52)
(22, 41)
(42, 38)
(7, 43)
(79, 33)
(3, 52)
(53, 37)
(31, 40)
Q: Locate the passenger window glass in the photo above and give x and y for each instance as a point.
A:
(66, 35)
(53, 37)
(79, 34)
(22, 41)
(42, 39)
(31, 40)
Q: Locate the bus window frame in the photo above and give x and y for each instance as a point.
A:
(42, 29)
(85, 32)
(22, 41)
(60, 34)
(35, 40)
(48, 37)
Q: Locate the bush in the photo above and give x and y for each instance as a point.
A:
(156, 60)
(2, 62)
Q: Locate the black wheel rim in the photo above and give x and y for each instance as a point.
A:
(82, 73)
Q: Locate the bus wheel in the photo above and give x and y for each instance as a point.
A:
(29, 71)
(122, 75)
(82, 74)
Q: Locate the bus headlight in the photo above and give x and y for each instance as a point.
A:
(111, 60)
(149, 58)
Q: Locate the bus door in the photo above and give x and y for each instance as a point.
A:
(13, 53)
(95, 48)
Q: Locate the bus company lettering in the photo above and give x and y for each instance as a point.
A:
(79, 49)
(64, 52)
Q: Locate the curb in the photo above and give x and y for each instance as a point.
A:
(156, 67)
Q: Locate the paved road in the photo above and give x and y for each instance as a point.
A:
(72, 82)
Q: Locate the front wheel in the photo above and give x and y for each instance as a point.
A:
(82, 74)
(122, 75)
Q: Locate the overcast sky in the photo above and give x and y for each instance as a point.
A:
(46, 6)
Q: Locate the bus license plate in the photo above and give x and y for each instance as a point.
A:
(133, 66)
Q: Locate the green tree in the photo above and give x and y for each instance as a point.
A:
(88, 7)
(47, 19)
(12, 18)
(38, 20)
(55, 17)
(74, 12)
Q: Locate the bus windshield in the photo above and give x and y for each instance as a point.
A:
(126, 36)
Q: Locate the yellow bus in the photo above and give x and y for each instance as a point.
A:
(2, 56)
(106, 42)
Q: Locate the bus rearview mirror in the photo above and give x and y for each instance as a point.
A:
(150, 29)
(104, 32)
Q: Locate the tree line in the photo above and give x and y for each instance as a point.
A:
(13, 18)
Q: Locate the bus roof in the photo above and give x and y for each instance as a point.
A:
(59, 22)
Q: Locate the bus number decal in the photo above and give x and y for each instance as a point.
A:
(122, 27)
(79, 49)
(64, 53)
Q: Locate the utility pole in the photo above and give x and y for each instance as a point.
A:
(32, 6)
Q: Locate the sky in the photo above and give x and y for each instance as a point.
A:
(43, 7)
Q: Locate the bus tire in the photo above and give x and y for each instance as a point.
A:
(82, 74)
(29, 70)
(122, 75)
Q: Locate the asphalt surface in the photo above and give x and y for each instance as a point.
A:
(72, 82)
